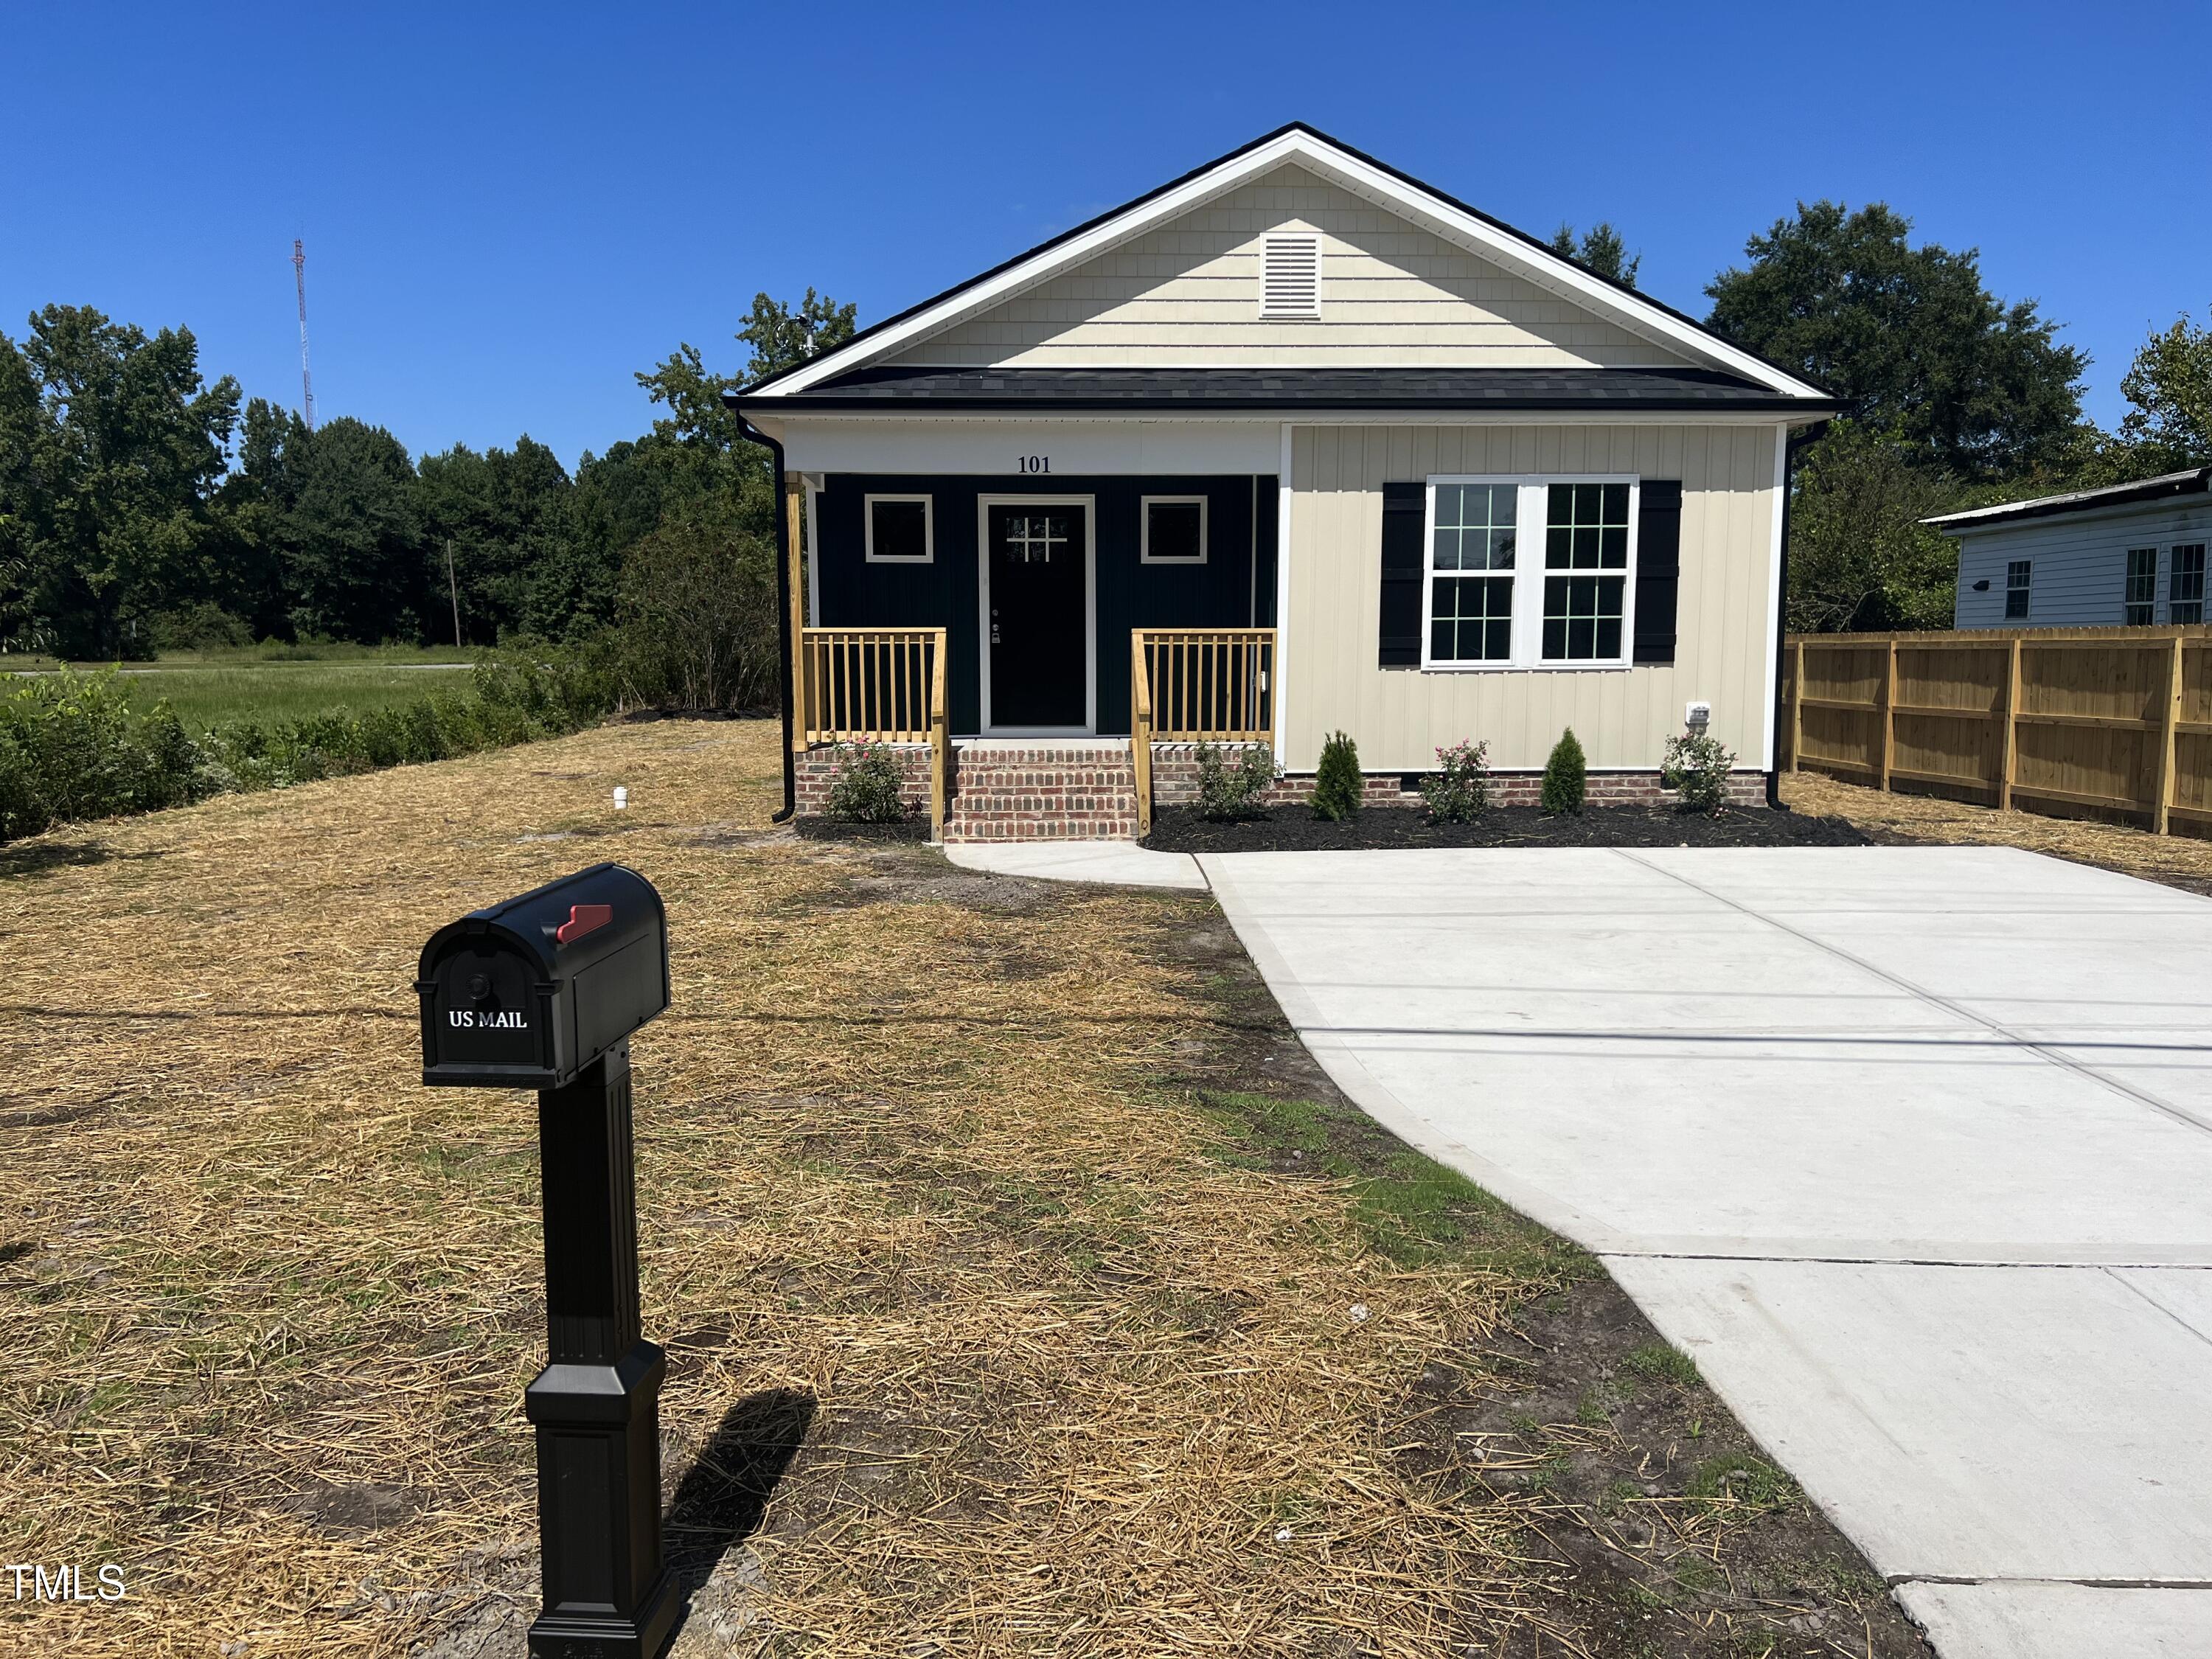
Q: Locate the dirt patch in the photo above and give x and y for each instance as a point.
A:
(1905, 820)
(1181, 829)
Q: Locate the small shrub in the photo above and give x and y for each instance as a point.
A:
(1337, 782)
(1564, 776)
(1234, 785)
(1459, 789)
(869, 785)
(1697, 768)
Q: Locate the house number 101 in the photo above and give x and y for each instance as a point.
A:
(1033, 463)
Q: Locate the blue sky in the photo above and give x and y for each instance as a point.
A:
(509, 211)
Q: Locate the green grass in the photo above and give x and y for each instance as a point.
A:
(210, 689)
(1663, 1362)
(1411, 1208)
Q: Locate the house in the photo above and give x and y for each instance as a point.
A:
(1293, 444)
(2128, 555)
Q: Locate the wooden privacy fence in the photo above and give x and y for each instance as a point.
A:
(878, 686)
(2115, 720)
(1197, 685)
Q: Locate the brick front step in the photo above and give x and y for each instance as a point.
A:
(1045, 791)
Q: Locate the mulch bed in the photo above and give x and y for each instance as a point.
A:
(907, 829)
(1295, 829)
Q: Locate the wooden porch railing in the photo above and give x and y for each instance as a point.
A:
(1197, 685)
(879, 685)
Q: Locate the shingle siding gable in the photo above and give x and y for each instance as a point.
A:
(1188, 293)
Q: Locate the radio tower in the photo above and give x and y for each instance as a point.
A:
(299, 280)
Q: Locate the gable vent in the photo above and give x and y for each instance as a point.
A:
(1290, 279)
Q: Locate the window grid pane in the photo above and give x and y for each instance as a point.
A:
(2143, 586)
(2185, 585)
(2016, 589)
(1582, 617)
(1470, 619)
(1586, 528)
(1475, 525)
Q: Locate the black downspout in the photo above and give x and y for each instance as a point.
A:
(783, 639)
(1792, 445)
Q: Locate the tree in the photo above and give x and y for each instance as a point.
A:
(113, 448)
(506, 514)
(352, 534)
(2170, 384)
(782, 338)
(1601, 249)
(1908, 338)
(1859, 557)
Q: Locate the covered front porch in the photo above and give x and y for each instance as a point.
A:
(889, 685)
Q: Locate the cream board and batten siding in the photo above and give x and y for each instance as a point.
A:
(1187, 293)
(2078, 564)
(1623, 716)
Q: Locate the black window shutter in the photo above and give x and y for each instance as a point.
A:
(1658, 568)
(1405, 513)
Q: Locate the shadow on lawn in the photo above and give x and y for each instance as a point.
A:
(722, 1495)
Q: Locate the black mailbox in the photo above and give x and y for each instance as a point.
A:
(526, 994)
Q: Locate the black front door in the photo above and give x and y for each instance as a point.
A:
(1040, 659)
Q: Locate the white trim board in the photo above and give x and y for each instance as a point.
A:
(1310, 150)
(1023, 498)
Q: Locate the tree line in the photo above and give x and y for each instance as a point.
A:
(142, 509)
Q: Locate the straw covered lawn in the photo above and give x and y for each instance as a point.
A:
(1003, 1223)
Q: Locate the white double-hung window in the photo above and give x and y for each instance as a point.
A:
(1529, 572)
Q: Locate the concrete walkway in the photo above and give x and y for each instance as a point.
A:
(1911, 1148)
(1112, 863)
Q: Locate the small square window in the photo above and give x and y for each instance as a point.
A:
(899, 530)
(2141, 605)
(2017, 577)
(2185, 585)
(1174, 529)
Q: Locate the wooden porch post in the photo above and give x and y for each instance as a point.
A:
(794, 516)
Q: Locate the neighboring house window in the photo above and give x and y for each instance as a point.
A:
(1471, 616)
(1486, 607)
(1290, 278)
(2184, 584)
(2143, 586)
(2016, 580)
(1586, 531)
(1174, 529)
(899, 530)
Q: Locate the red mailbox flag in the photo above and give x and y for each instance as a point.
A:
(582, 919)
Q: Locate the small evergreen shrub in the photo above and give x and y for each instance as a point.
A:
(1564, 774)
(869, 785)
(1234, 785)
(1337, 783)
(1697, 768)
(1459, 789)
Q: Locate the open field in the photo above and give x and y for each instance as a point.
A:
(1006, 1223)
(208, 689)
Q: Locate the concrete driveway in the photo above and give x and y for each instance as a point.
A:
(1911, 1148)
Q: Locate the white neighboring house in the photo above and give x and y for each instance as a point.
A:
(2128, 555)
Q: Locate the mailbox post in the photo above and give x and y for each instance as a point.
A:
(544, 991)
